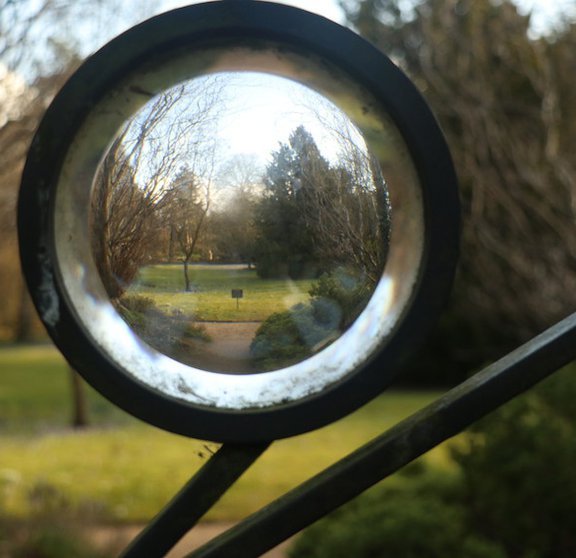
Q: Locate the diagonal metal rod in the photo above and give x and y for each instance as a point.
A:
(194, 500)
(411, 438)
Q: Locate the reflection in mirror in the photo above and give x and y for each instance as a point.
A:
(239, 222)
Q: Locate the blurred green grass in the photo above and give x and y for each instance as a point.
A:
(122, 470)
(34, 391)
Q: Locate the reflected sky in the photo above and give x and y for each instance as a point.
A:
(250, 115)
(263, 110)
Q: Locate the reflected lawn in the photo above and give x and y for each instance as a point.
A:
(211, 298)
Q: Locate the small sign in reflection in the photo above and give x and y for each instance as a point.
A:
(237, 294)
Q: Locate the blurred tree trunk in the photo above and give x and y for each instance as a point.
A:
(79, 417)
(24, 326)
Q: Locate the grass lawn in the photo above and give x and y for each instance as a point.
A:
(123, 470)
(211, 299)
(34, 387)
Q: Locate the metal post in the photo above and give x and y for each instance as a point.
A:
(194, 500)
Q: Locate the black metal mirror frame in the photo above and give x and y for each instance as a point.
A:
(215, 25)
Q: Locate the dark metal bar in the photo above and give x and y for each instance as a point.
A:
(194, 500)
(449, 415)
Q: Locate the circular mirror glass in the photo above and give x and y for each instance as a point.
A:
(239, 222)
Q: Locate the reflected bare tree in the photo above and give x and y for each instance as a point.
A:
(191, 200)
(136, 198)
(349, 209)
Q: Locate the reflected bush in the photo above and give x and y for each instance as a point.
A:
(134, 308)
(161, 331)
(289, 337)
(337, 298)
(344, 289)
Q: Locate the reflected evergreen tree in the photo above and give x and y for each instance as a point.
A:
(285, 246)
(315, 217)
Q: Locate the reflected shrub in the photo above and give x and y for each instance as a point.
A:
(337, 298)
(160, 330)
(345, 290)
(136, 310)
(289, 337)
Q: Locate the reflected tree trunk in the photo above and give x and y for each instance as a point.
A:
(187, 284)
(192, 203)
(171, 243)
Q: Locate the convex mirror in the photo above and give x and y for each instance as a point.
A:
(237, 219)
(239, 223)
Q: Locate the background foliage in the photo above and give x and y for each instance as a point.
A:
(511, 496)
(504, 100)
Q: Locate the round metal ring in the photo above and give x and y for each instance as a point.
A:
(53, 212)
